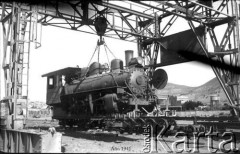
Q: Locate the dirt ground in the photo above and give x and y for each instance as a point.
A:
(88, 142)
(92, 141)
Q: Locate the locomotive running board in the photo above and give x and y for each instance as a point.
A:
(26, 141)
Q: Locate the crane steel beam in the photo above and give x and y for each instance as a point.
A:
(55, 13)
(165, 10)
(119, 8)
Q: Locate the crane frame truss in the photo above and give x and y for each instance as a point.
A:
(18, 27)
(135, 21)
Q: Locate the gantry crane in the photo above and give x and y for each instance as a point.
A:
(145, 22)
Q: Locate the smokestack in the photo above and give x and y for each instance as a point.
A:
(128, 56)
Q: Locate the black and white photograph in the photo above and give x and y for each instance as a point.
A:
(112, 76)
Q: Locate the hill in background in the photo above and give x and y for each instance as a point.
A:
(201, 93)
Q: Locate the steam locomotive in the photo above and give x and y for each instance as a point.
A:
(96, 93)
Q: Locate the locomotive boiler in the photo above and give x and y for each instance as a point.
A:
(78, 94)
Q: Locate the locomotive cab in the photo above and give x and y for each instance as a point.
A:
(56, 81)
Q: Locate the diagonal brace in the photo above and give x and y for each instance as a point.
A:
(225, 88)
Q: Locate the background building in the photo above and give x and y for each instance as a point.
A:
(170, 102)
(182, 98)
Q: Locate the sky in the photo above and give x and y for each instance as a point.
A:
(66, 48)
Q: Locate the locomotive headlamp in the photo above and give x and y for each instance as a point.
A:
(159, 79)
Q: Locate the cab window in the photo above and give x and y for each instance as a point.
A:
(51, 82)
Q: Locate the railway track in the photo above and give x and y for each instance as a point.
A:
(136, 125)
